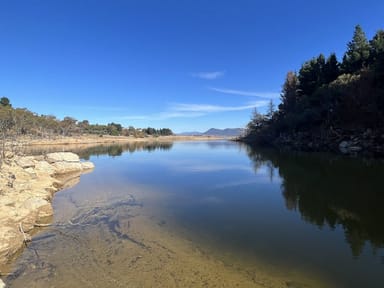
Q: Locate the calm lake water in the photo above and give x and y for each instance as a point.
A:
(316, 220)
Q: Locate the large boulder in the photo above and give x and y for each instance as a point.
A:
(62, 157)
(67, 162)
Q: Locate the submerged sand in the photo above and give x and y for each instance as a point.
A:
(128, 243)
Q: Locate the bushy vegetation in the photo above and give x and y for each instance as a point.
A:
(17, 122)
(21, 121)
(327, 96)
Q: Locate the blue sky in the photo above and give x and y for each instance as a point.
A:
(183, 64)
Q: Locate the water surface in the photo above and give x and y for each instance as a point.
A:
(206, 214)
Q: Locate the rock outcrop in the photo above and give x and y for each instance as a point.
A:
(27, 184)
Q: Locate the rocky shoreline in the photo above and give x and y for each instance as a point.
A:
(366, 143)
(27, 184)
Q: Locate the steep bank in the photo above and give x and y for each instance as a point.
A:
(27, 184)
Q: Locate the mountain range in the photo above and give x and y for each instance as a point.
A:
(227, 132)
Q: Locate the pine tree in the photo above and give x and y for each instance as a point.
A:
(257, 121)
(377, 53)
(377, 45)
(270, 110)
(311, 75)
(357, 55)
(289, 93)
(331, 69)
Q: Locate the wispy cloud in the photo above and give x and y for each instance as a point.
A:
(209, 75)
(206, 108)
(184, 110)
(268, 95)
(97, 108)
(164, 116)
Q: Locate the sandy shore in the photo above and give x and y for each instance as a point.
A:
(94, 139)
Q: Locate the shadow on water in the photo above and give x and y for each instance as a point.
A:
(331, 190)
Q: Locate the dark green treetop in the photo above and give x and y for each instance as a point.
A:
(331, 69)
(4, 101)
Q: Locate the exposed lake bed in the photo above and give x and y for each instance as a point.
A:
(192, 215)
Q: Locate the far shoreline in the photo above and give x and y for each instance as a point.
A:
(107, 139)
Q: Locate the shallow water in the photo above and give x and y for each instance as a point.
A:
(212, 214)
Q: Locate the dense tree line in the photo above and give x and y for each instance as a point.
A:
(327, 96)
(158, 132)
(16, 122)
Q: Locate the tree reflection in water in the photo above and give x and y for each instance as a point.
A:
(85, 151)
(118, 149)
(331, 190)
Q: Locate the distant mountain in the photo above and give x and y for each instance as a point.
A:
(228, 132)
(194, 133)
